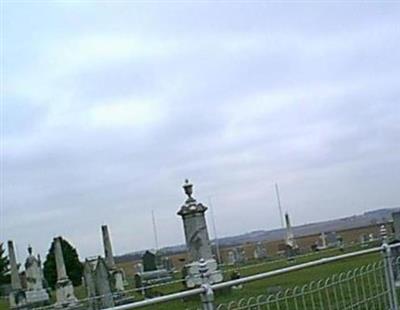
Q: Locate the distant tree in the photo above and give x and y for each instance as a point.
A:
(4, 266)
(72, 264)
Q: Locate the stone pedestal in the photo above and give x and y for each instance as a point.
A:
(197, 239)
(35, 293)
(64, 290)
(195, 227)
(37, 296)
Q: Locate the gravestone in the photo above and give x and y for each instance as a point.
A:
(102, 284)
(364, 240)
(35, 293)
(323, 241)
(371, 237)
(240, 255)
(117, 274)
(383, 233)
(149, 261)
(395, 251)
(17, 297)
(64, 290)
(331, 239)
(98, 283)
(396, 225)
(231, 258)
(197, 240)
(139, 268)
(260, 252)
(90, 286)
(167, 263)
(290, 241)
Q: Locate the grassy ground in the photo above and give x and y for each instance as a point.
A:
(288, 280)
(3, 304)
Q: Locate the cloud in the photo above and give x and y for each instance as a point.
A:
(109, 108)
(130, 112)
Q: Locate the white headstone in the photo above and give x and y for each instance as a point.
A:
(231, 258)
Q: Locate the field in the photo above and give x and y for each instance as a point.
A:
(284, 281)
(256, 288)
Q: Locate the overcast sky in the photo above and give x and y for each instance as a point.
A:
(108, 107)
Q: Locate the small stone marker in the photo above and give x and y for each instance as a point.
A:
(149, 261)
(260, 252)
(231, 258)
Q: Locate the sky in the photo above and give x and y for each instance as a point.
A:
(108, 106)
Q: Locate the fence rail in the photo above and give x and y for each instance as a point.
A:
(367, 287)
(361, 288)
(381, 291)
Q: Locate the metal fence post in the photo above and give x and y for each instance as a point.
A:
(207, 297)
(389, 275)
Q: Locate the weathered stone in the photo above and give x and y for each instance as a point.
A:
(290, 241)
(108, 253)
(323, 241)
(195, 227)
(34, 278)
(231, 258)
(149, 261)
(64, 290)
(116, 273)
(167, 264)
(396, 225)
(197, 239)
(88, 279)
(17, 297)
(331, 239)
(102, 284)
(260, 251)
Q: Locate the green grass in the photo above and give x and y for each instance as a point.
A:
(288, 280)
(4, 304)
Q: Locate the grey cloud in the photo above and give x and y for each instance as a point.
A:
(322, 120)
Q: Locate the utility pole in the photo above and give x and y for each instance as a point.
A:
(279, 204)
(215, 230)
(154, 229)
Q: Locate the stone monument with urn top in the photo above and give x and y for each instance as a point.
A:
(197, 240)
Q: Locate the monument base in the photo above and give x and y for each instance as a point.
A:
(37, 296)
(65, 294)
(17, 299)
(118, 279)
(193, 277)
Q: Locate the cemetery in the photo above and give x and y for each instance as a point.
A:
(106, 284)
